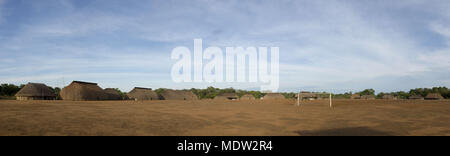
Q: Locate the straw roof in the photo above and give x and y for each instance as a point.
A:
(307, 95)
(226, 96)
(139, 93)
(274, 96)
(248, 97)
(389, 97)
(189, 95)
(368, 97)
(113, 94)
(83, 91)
(355, 96)
(434, 96)
(415, 97)
(178, 95)
(35, 90)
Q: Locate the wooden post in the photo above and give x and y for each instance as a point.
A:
(331, 103)
(298, 99)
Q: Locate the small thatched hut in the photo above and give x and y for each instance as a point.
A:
(35, 91)
(113, 94)
(389, 97)
(273, 96)
(434, 96)
(142, 94)
(355, 96)
(178, 95)
(368, 97)
(227, 96)
(248, 97)
(415, 97)
(83, 91)
(307, 96)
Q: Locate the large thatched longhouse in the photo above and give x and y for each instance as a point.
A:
(248, 97)
(188, 95)
(307, 96)
(273, 96)
(355, 96)
(389, 97)
(368, 97)
(434, 96)
(416, 97)
(83, 91)
(169, 94)
(35, 91)
(227, 96)
(142, 94)
(113, 94)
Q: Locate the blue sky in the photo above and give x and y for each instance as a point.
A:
(324, 45)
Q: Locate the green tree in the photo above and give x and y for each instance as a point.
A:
(289, 95)
(123, 95)
(160, 90)
(56, 90)
(367, 92)
(346, 95)
(380, 95)
(10, 89)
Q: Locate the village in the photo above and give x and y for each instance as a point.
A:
(88, 91)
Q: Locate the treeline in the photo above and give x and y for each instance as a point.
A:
(9, 89)
(444, 91)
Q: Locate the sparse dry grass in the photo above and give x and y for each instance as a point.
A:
(218, 118)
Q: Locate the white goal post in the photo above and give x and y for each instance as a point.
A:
(298, 100)
(331, 101)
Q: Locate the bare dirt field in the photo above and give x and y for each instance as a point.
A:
(224, 118)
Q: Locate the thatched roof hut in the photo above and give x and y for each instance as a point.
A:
(113, 94)
(434, 96)
(273, 96)
(83, 91)
(307, 96)
(189, 95)
(248, 97)
(35, 91)
(355, 96)
(227, 96)
(415, 97)
(389, 97)
(368, 97)
(178, 95)
(142, 94)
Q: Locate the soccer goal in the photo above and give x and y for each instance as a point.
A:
(299, 98)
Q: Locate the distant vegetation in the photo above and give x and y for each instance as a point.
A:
(211, 92)
(122, 94)
(444, 91)
(9, 90)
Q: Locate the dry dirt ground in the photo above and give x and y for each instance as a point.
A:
(224, 118)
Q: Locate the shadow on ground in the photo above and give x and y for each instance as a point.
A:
(353, 131)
